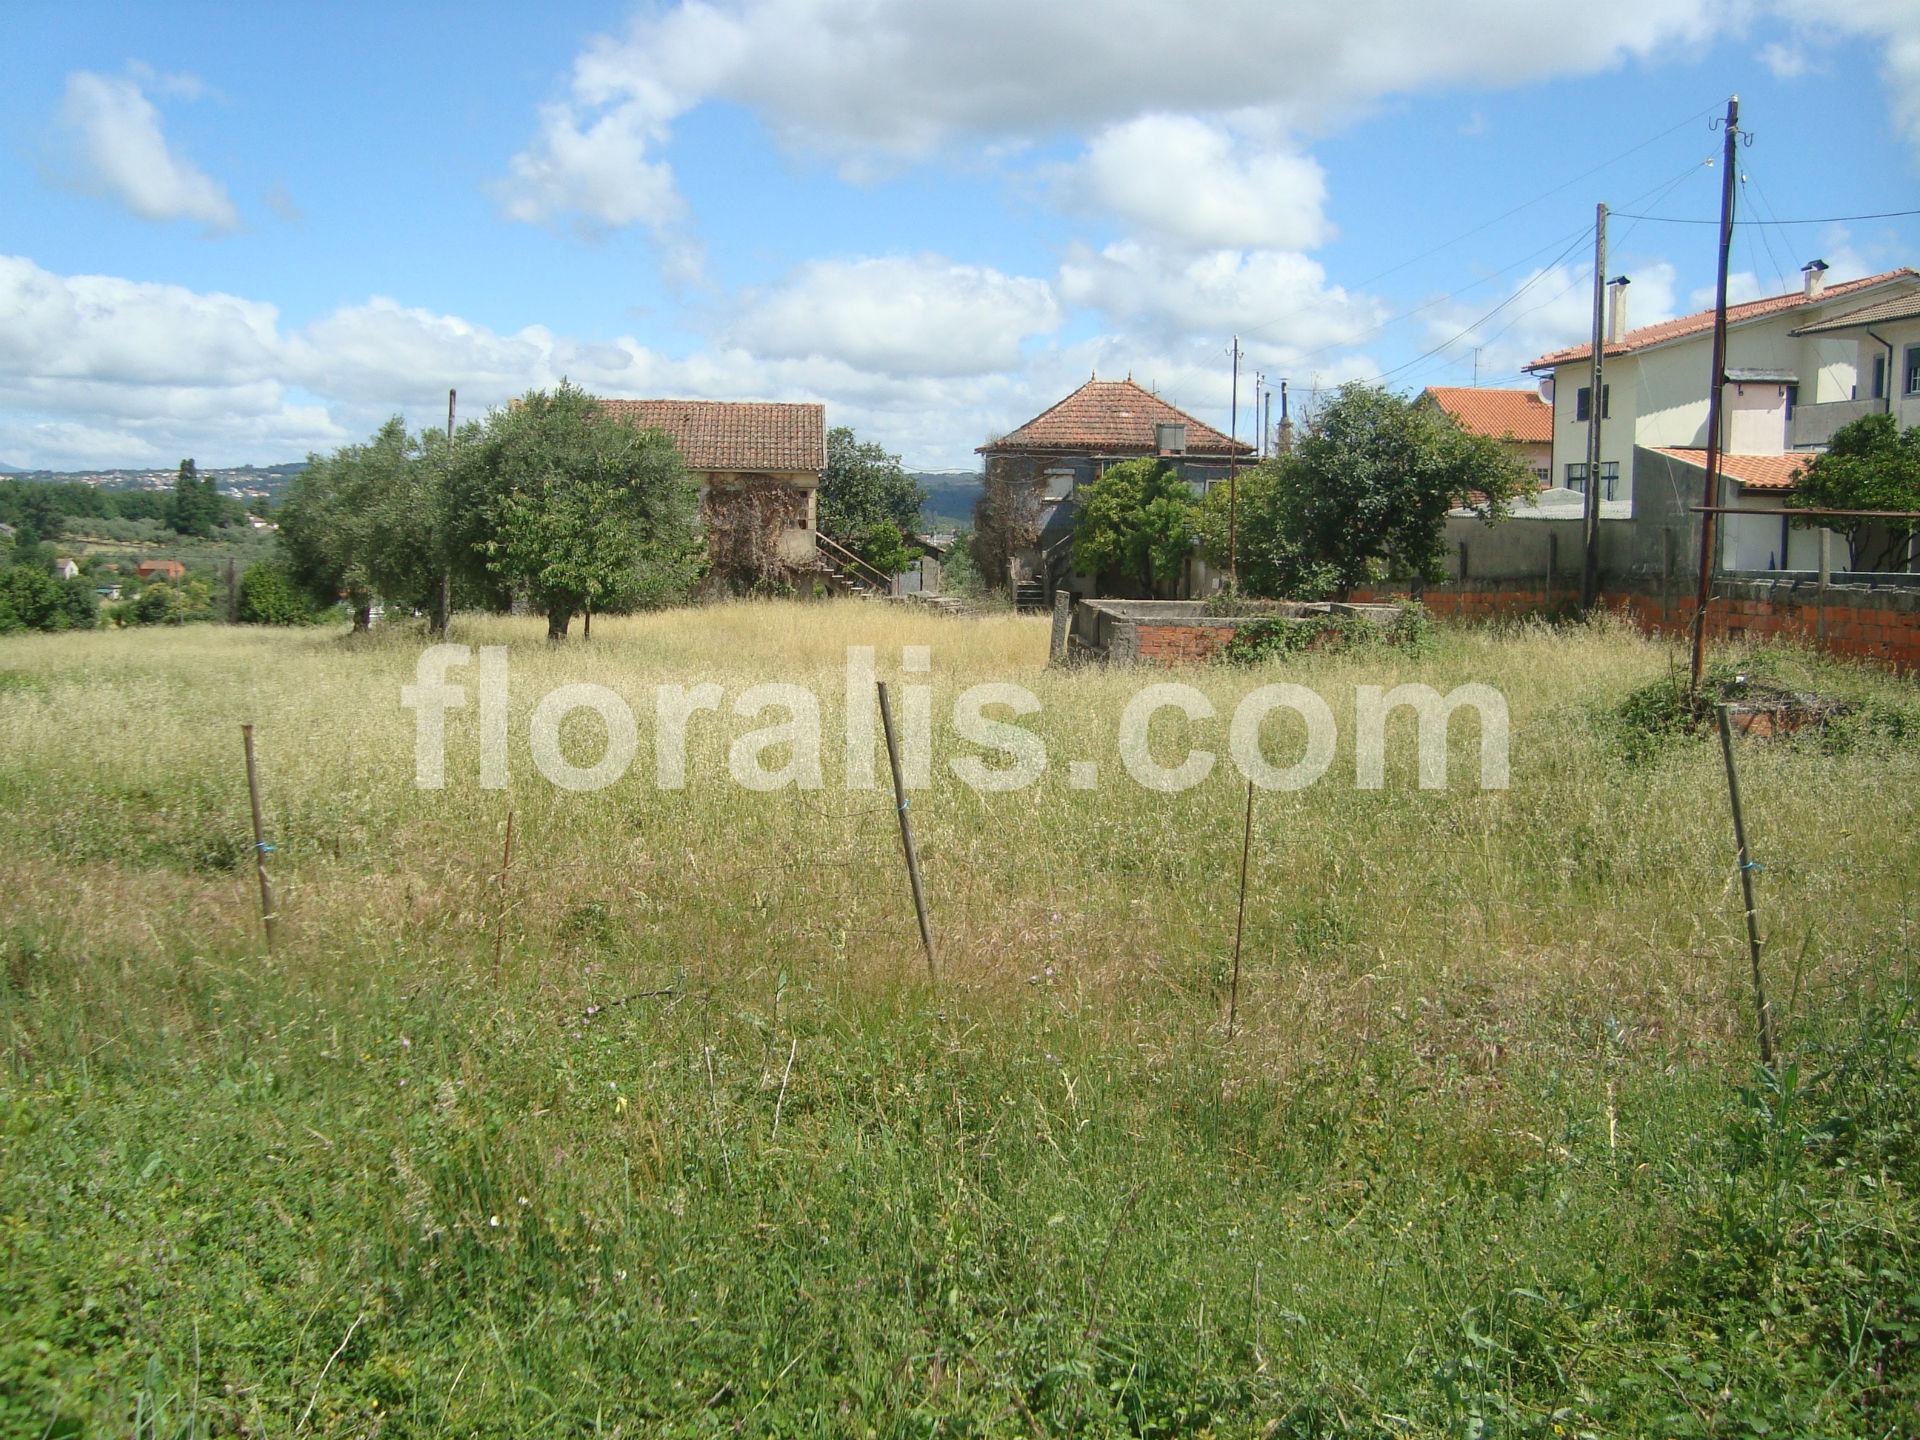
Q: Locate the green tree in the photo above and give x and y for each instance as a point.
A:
(887, 550)
(355, 526)
(588, 513)
(269, 596)
(1870, 464)
(1365, 495)
(1136, 523)
(79, 604)
(864, 487)
(161, 603)
(196, 506)
(30, 599)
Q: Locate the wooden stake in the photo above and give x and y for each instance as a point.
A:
(1761, 1008)
(260, 847)
(906, 827)
(1240, 920)
(500, 919)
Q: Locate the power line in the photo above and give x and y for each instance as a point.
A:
(1823, 220)
(1545, 271)
(1488, 224)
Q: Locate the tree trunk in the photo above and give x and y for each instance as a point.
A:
(586, 623)
(362, 616)
(557, 623)
(442, 611)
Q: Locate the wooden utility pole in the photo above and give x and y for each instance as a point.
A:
(1233, 475)
(1710, 488)
(1596, 410)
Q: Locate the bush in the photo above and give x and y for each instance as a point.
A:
(164, 604)
(268, 596)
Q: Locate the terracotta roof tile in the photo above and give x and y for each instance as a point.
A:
(1502, 414)
(735, 435)
(1900, 307)
(1755, 472)
(1648, 335)
(1111, 417)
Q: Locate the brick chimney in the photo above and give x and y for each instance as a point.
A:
(1816, 273)
(1617, 307)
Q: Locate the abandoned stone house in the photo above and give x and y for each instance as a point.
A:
(758, 464)
(1027, 512)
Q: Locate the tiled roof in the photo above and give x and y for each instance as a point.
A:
(1111, 417)
(1502, 414)
(1648, 335)
(1900, 307)
(735, 435)
(1756, 472)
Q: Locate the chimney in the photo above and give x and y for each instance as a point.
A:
(1816, 273)
(1170, 438)
(1617, 309)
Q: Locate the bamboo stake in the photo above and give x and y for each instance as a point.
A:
(1762, 1009)
(268, 917)
(1240, 920)
(906, 828)
(500, 918)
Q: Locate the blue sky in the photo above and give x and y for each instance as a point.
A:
(243, 234)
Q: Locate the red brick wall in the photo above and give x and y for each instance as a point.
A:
(1890, 636)
(1167, 644)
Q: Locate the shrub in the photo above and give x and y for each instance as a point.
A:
(268, 596)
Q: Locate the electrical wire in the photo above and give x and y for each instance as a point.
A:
(1488, 224)
(1821, 220)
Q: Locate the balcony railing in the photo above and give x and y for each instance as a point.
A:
(1813, 425)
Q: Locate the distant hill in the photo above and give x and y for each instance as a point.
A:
(243, 480)
(950, 497)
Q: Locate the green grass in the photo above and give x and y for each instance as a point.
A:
(1488, 1155)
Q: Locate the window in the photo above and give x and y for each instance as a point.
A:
(1793, 399)
(1879, 376)
(1912, 367)
(1609, 478)
(1583, 403)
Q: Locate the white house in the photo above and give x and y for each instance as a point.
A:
(65, 569)
(1793, 377)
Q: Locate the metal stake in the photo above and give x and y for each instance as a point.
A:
(906, 827)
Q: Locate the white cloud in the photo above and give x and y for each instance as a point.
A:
(1544, 310)
(1787, 62)
(1279, 299)
(595, 169)
(1186, 181)
(860, 79)
(914, 316)
(120, 151)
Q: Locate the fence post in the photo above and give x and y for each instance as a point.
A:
(1826, 579)
(1762, 1010)
(1062, 623)
(260, 847)
(906, 828)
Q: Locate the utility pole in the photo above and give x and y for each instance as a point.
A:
(445, 616)
(1596, 407)
(1233, 475)
(1259, 384)
(1710, 489)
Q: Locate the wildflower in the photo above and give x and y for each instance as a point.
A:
(493, 1221)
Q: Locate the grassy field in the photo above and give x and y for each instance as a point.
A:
(670, 1133)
